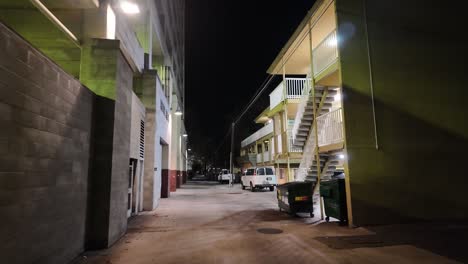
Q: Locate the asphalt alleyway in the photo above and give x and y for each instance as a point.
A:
(204, 222)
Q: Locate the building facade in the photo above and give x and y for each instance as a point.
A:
(374, 110)
(92, 103)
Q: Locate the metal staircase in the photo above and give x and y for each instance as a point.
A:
(323, 98)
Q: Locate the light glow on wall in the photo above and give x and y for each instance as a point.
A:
(129, 8)
(110, 30)
(332, 41)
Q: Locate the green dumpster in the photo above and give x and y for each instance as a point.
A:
(296, 197)
(334, 199)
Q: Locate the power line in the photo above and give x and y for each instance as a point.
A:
(259, 92)
(255, 97)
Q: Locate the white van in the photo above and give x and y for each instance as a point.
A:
(225, 176)
(259, 177)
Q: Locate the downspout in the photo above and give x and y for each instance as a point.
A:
(371, 79)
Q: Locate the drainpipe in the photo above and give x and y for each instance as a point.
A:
(371, 79)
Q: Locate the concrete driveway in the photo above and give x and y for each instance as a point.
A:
(204, 222)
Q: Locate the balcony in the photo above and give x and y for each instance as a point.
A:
(264, 131)
(292, 90)
(330, 127)
(248, 158)
(325, 54)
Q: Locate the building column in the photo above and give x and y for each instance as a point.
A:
(174, 169)
(105, 71)
(154, 184)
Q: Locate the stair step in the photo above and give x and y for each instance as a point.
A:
(330, 93)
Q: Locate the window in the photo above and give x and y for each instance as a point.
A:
(250, 172)
(269, 171)
(261, 171)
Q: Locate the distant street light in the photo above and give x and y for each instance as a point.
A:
(178, 112)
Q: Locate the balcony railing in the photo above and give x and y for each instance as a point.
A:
(294, 89)
(291, 146)
(268, 129)
(259, 158)
(326, 53)
(330, 127)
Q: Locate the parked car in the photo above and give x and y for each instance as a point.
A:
(259, 178)
(225, 176)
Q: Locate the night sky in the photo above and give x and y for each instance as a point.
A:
(229, 47)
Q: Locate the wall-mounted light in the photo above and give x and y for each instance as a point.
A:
(185, 135)
(338, 97)
(129, 7)
(332, 41)
(189, 149)
(341, 156)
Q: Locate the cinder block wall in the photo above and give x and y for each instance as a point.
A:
(420, 106)
(106, 72)
(45, 124)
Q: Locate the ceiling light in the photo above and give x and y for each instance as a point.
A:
(129, 8)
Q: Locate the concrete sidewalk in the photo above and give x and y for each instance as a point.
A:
(208, 223)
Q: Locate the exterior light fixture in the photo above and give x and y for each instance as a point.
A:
(332, 41)
(338, 97)
(189, 149)
(341, 156)
(178, 112)
(129, 8)
(185, 135)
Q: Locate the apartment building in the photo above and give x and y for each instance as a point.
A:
(272, 145)
(92, 129)
(382, 105)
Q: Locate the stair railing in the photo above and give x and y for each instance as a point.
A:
(308, 155)
(301, 108)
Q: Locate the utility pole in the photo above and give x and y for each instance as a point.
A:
(231, 167)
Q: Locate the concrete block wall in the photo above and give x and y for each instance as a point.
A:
(105, 71)
(121, 149)
(46, 122)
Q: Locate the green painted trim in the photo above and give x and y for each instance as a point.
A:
(264, 113)
(278, 108)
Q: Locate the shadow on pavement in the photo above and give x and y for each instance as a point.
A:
(445, 239)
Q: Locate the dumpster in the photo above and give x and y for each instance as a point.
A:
(296, 197)
(334, 199)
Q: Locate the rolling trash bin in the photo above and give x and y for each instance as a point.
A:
(334, 199)
(296, 197)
